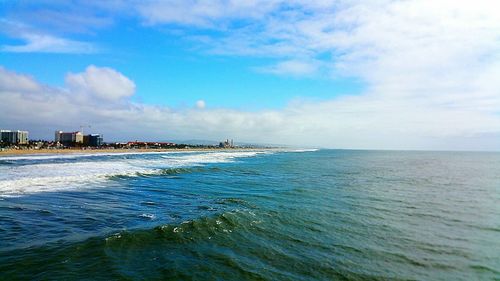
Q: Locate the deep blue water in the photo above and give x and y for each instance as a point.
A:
(270, 215)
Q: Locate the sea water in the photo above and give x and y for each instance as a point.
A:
(251, 215)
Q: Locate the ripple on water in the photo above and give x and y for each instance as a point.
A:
(314, 215)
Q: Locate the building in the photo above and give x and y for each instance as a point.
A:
(69, 138)
(94, 140)
(226, 144)
(4, 136)
(14, 137)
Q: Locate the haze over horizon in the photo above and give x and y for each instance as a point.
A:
(337, 74)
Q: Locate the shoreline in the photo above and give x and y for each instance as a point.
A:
(16, 152)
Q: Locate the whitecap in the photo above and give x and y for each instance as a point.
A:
(45, 176)
(147, 216)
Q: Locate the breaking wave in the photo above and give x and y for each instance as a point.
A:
(38, 173)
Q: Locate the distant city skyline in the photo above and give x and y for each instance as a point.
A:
(336, 74)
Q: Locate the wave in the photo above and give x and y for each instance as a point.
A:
(40, 177)
(187, 231)
(201, 227)
(303, 150)
(46, 175)
(84, 155)
(212, 157)
(50, 156)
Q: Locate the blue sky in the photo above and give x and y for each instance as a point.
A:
(167, 65)
(344, 74)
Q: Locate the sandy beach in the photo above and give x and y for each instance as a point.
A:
(13, 152)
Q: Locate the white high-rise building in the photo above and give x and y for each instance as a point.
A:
(14, 137)
(68, 137)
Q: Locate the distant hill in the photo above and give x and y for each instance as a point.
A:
(196, 142)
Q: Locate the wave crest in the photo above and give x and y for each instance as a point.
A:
(51, 175)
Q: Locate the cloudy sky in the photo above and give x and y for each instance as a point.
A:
(339, 74)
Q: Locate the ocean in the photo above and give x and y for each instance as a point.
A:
(251, 215)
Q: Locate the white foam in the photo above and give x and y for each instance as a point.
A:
(80, 155)
(40, 177)
(147, 216)
(212, 157)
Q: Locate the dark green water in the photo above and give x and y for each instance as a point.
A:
(316, 215)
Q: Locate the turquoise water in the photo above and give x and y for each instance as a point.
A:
(269, 215)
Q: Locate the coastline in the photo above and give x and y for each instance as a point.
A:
(15, 152)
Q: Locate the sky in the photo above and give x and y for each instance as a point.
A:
(381, 74)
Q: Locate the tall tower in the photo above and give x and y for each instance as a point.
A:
(57, 137)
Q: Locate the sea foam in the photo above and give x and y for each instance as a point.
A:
(39, 173)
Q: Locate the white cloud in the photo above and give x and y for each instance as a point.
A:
(41, 43)
(431, 70)
(430, 66)
(369, 121)
(11, 81)
(291, 67)
(101, 82)
(36, 41)
(202, 13)
(200, 104)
